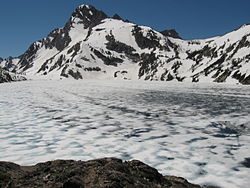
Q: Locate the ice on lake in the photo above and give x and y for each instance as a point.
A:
(198, 131)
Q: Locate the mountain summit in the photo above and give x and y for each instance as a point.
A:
(171, 33)
(88, 16)
(93, 45)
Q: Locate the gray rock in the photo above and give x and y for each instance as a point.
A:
(171, 33)
(116, 17)
(100, 173)
(6, 76)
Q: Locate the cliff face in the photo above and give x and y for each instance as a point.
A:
(101, 173)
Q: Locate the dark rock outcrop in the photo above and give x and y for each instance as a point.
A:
(171, 33)
(246, 162)
(88, 15)
(151, 41)
(26, 60)
(117, 17)
(120, 47)
(100, 173)
(9, 63)
(107, 60)
(6, 76)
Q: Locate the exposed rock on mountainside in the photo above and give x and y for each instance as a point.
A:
(6, 76)
(117, 17)
(9, 63)
(92, 45)
(101, 173)
(171, 33)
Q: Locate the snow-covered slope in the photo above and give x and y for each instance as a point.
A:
(218, 59)
(92, 45)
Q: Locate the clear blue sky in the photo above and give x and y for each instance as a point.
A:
(25, 21)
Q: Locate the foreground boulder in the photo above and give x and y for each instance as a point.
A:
(100, 173)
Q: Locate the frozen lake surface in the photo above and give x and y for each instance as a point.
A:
(198, 131)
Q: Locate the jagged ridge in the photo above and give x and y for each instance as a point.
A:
(92, 45)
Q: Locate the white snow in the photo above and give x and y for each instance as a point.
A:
(241, 53)
(42, 56)
(177, 128)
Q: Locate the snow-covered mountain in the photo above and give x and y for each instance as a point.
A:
(93, 45)
(9, 63)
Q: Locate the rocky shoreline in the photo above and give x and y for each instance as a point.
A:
(99, 173)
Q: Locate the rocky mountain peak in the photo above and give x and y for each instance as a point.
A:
(91, 46)
(88, 15)
(117, 17)
(171, 33)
